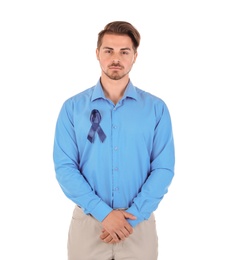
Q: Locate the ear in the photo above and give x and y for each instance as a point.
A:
(97, 54)
(135, 57)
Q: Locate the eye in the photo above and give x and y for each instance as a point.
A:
(125, 52)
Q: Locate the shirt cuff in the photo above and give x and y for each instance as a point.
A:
(100, 211)
(139, 218)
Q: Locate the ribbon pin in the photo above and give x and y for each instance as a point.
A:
(95, 119)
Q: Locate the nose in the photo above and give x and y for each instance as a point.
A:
(115, 60)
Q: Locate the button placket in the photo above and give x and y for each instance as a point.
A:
(115, 150)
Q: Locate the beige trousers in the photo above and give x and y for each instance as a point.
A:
(84, 241)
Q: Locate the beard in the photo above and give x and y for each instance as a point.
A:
(115, 75)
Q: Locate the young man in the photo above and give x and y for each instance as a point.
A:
(114, 157)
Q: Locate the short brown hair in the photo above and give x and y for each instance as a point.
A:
(120, 28)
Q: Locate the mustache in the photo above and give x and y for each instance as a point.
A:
(115, 65)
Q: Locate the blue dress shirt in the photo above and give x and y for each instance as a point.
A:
(131, 169)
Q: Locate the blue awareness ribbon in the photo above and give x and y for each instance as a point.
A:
(95, 119)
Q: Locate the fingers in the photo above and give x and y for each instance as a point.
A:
(128, 215)
(127, 227)
(107, 238)
(112, 238)
(115, 237)
(117, 226)
(122, 234)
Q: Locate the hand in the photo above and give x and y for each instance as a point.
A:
(117, 226)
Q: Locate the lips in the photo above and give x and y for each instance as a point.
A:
(115, 67)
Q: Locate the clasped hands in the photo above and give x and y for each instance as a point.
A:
(115, 226)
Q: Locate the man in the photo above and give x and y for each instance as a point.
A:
(114, 157)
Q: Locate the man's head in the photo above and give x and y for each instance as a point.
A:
(117, 49)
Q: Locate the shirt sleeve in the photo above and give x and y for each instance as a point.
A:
(161, 171)
(66, 162)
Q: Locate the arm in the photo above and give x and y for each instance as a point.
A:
(66, 161)
(161, 171)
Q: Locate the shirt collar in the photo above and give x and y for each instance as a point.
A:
(130, 92)
(98, 92)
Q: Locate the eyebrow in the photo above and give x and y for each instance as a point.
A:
(122, 49)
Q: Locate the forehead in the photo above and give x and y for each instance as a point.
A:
(116, 41)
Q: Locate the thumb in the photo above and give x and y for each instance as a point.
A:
(129, 215)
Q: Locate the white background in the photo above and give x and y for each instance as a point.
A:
(187, 57)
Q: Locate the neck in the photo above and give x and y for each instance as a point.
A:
(114, 89)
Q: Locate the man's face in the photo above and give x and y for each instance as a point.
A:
(116, 56)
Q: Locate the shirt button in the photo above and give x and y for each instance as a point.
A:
(116, 169)
(114, 126)
(116, 148)
(116, 189)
